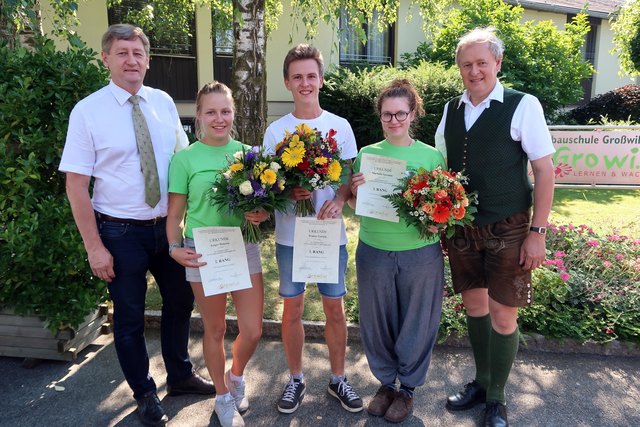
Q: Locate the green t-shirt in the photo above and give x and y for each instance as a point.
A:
(192, 172)
(397, 236)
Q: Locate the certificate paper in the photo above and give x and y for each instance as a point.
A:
(222, 248)
(382, 175)
(316, 250)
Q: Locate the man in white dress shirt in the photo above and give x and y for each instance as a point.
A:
(123, 234)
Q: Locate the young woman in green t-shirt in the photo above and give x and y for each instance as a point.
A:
(191, 174)
(400, 275)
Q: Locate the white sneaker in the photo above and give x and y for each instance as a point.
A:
(227, 412)
(236, 389)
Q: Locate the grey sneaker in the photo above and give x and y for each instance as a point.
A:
(237, 391)
(291, 396)
(227, 412)
(346, 396)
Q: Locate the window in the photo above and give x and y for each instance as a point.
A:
(173, 65)
(377, 50)
(223, 55)
(589, 54)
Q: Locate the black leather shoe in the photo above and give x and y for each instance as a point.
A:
(195, 384)
(150, 411)
(495, 415)
(472, 395)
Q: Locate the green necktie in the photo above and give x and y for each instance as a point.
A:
(147, 156)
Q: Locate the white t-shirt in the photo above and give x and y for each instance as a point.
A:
(101, 143)
(528, 124)
(285, 223)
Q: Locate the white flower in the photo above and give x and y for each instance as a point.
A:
(227, 175)
(245, 188)
(274, 166)
(237, 155)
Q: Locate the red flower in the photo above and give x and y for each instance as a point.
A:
(303, 165)
(441, 214)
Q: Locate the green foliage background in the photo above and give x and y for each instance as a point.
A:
(352, 95)
(43, 267)
(538, 59)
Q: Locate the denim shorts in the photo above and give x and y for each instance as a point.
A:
(290, 289)
(253, 259)
(489, 257)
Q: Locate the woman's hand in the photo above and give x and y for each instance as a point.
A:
(257, 216)
(186, 257)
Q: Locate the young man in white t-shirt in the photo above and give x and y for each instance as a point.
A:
(303, 76)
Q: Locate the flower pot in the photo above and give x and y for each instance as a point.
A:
(28, 336)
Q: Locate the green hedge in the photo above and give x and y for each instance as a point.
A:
(43, 267)
(352, 95)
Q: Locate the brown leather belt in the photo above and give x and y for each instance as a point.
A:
(131, 221)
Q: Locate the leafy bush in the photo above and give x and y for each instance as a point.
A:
(539, 59)
(352, 95)
(621, 104)
(43, 268)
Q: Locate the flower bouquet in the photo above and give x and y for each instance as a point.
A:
(253, 181)
(434, 201)
(310, 161)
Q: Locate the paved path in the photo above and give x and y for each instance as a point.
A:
(544, 390)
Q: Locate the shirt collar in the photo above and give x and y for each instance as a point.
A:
(497, 94)
(122, 96)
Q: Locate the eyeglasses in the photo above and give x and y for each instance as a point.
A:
(400, 116)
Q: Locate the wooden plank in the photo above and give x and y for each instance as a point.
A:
(50, 343)
(89, 330)
(81, 343)
(25, 331)
(69, 333)
(36, 353)
(16, 320)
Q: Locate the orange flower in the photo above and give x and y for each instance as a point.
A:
(427, 208)
(458, 213)
(441, 214)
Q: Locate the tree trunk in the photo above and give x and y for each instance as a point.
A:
(249, 71)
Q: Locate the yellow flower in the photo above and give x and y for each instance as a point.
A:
(320, 160)
(281, 184)
(334, 170)
(268, 177)
(295, 142)
(236, 167)
(304, 129)
(293, 156)
(258, 168)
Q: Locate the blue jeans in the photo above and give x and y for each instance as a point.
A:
(136, 249)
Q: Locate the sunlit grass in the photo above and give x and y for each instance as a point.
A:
(607, 211)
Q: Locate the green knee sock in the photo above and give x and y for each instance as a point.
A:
(480, 337)
(503, 353)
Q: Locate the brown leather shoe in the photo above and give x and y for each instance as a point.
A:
(381, 401)
(400, 409)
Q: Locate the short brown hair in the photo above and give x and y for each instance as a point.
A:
(124, 32)
(303, 51)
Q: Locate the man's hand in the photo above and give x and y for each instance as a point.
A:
(101, 263)
(299, 193)
(532, 251)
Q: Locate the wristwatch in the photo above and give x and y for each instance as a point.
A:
(539, 230)
(174, 245)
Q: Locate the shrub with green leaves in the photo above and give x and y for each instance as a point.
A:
(352, 95)
(43, 267)
(620, 104)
